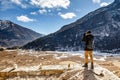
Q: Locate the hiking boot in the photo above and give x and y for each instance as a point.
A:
(85, 65)
(92, 66)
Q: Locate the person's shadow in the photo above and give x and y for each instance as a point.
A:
(88, 74)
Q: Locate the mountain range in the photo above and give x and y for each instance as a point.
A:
(12, 34)
(103, 22)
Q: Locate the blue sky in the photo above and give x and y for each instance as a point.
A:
(47, 16)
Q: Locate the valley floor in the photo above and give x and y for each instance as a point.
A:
(48, 65)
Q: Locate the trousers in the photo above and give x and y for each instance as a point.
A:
(86, 54)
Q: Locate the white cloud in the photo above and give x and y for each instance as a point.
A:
(24, 18)
(51, 3)
(69, 15)
(33, 13)
(42, 11)
(103, 4)
(96, 1)
(18, 2)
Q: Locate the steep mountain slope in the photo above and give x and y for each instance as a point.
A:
(103, 22)
(12, 34)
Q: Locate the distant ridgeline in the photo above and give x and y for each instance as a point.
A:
(103, 22)
(12, 34)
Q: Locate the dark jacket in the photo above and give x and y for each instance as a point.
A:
(88, 39)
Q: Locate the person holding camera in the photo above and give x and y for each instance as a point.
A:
(88, 39)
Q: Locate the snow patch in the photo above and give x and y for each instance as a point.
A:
(27, 68)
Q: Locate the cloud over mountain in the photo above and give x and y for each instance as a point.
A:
(24, 18)
(68, 15)
(103, 4)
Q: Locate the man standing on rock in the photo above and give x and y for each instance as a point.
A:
(88, 39)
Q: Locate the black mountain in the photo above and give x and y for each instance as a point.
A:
(12, 34)
(103, 22)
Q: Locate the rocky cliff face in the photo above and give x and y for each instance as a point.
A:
(103, 22)
(12, 34)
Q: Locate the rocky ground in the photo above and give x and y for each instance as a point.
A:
(47, 65)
